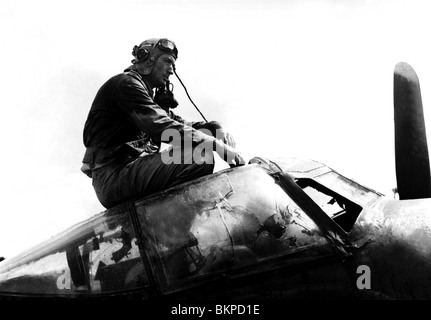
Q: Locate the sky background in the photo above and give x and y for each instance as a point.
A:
(309, 79)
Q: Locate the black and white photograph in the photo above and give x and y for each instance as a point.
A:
(226, 151)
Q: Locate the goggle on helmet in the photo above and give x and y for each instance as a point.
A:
(150, 50)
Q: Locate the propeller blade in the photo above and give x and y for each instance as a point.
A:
(411, 149)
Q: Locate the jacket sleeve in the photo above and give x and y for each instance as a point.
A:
(139, 108)
(211, 126)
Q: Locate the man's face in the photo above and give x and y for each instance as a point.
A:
(162, 70)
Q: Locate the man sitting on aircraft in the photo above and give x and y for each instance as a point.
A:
(127, 124)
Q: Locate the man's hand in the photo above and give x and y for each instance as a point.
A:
(219, 133)
(228, 154)
(229, 140)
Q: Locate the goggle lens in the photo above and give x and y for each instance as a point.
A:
(168, 45)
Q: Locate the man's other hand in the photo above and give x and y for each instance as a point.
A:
(229, 154)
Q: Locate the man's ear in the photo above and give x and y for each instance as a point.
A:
(144, 67)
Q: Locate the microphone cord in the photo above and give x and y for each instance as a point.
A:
(185, 89)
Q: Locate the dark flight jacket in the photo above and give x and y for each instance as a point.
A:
(124, 121)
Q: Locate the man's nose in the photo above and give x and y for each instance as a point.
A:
(171, 70)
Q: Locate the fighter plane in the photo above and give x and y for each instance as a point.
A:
(274, 228)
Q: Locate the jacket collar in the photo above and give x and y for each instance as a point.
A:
(133, 72)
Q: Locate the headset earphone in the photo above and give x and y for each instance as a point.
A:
(141, 54)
